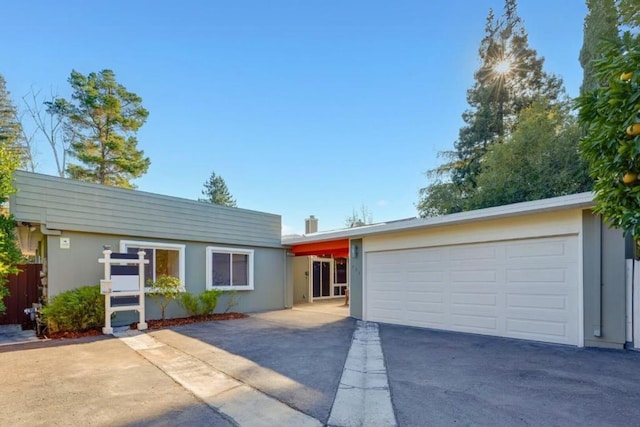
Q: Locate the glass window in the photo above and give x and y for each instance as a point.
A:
(229, 268)
(164, 258)
(240, 270)
(220, 270)
(340, 270)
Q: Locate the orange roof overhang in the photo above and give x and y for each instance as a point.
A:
(337, 248)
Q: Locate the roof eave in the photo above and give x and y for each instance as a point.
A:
(573, 201)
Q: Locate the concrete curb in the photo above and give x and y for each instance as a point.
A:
(363, 397)
(242, 404)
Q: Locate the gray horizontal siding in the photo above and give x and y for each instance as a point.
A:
(65, 204)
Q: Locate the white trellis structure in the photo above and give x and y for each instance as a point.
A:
(121, 280)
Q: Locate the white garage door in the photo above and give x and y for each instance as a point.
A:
(521, 289)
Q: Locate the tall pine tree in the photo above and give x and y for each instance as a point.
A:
(10, 128)
(104, 118)
(629, 11)
(215, 191)
(600, 25)
(510, 78)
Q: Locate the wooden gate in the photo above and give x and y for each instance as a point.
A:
(23, 288)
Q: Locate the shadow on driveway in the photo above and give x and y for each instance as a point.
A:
(445, 378)
(295, 356)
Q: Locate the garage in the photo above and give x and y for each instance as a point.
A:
(548, 270)
(524, 288)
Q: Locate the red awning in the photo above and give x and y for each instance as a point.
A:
(337, 248)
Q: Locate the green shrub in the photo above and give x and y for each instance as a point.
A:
(209, 300)
(190, 303)
(164, 290)
(203, 304)
(76, 310)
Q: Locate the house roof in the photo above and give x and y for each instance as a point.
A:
(573, 201)
(72, 205)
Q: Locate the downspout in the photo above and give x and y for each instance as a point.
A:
(284, 258)
(47, 231)
(597, 303)
(44, 274)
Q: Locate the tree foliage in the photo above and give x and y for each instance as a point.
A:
(10, 134)
(610, 115)
(600, 25)
(164, 290)
(11, 157)
(540, 160)
(629, 11)
(216, 191)
(510, 79)
(103, 118)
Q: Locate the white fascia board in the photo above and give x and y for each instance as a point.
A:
(573, 201)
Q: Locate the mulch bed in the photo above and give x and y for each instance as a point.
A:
(72, 334)
(152, 324)
(158, 323)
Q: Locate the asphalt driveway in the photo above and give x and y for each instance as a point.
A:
(295, 356)
(442, 378)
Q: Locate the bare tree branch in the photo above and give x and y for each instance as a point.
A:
(51, 124)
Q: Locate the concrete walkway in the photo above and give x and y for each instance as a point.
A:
(240, 403)
(95, 381)
(13, 334)
(210, 373)
(335, 306)
(363, 397)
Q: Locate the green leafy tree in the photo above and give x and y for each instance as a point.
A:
(103, 118)
(539, 160)
(215, 191)
(600, 24)
(164, 290)
(510, 79)
(610, 116)
(11, 158)
(440, 198)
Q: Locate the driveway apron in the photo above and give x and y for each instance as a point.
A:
(445, 378)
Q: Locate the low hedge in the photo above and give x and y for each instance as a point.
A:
(76, 310)
(203, 304)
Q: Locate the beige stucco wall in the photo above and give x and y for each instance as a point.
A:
(520, 227)
(300, 279)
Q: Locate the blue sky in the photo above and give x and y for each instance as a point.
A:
(304, 107)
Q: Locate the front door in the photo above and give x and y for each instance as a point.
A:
(321, 278)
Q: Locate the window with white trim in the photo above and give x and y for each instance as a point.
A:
(229, 268)
(164, 259)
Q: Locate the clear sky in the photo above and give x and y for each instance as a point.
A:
(304, 107)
